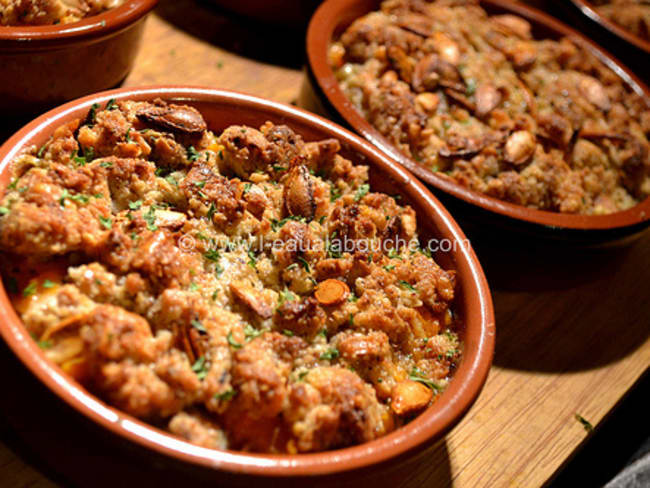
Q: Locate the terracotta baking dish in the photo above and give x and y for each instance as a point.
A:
(43, 66)
(321, 93)
(388, 454)
(588, 9)
(293, 13)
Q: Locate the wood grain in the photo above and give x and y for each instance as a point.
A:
(572, 326)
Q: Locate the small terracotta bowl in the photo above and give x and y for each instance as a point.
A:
(385, 455)
(293, 13)
(43, 66)
(588, 9)
(322, 93)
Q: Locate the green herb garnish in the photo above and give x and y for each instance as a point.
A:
(29, 289)
(135, 205)
(198, 326)
(226, 395)
(419, 376)
(232, 342)
(150, 219)
(330, 354)
(304, 263)
(199, 367)
(106, 222)
(361, 192)
(192, 154)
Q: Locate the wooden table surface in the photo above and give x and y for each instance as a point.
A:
(572, 327)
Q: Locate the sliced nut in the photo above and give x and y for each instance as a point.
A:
(299, 193)
(252, 298)
(331, 292)
(487, 99)
(519, 147)
(401, 61)
(594, 91)
(514, 24)
(170, 219)
(428, 101)
(433, 70)
(409, 397)
(446, 47)
(174, 118)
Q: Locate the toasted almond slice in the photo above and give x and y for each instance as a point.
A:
(331, 292)
(519, 147)
(409, 397)
(252, 298)
(170, 219)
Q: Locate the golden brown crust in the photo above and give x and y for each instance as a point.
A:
(477, 97)
(194, 279)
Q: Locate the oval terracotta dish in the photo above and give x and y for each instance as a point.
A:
(588, 9)
(42, 66)
(322, 93)
(384, 455)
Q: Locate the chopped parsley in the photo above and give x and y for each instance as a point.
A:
(226, 395)
(277, 224)
(13, 184)
(135, 205)
(79, 160)
(419, 376)
(407, 285)
(41, 151)
(30, 289)
(111, 105)
(232, 342)
(304, 263)
(335, 193)
(361, 192)
(199, 184)
(171, 180)
(288, 332)
(44, 344)
(333, 248)
(251, 332)
(277, 167)
(128, 136)
(285, 296)
(211, 211)
(212, 255)
(4, 210)
(252, 260)
(92, 114)
(106, 222)
(150, 219)
(106, 164)
(471, 87)
(330, 354)
(193, 286)
(198, 326)
(192, 154)
(48, 284)
(247, 187)
(200, 368)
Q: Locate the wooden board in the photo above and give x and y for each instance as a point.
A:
(572, 328)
